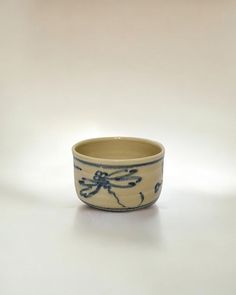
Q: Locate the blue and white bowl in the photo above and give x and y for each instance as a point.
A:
(118, 173)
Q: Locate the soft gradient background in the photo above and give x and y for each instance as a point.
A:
(71, 70)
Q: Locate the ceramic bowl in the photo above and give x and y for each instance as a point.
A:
(118, 173)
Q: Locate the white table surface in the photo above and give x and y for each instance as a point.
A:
(71, 70)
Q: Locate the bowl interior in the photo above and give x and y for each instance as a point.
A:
(120, 148)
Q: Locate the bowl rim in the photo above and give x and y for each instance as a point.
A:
(155, 157)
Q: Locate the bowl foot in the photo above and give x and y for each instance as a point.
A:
(126, 209)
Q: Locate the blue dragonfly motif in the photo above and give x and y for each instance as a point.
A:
(123, 178)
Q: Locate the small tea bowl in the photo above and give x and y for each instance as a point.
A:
(118, 173)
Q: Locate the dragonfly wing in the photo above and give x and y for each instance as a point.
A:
(87, 181)
(125, 182)
(124, 175)
(89, 187)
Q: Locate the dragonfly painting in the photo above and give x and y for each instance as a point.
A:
(123, 178)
